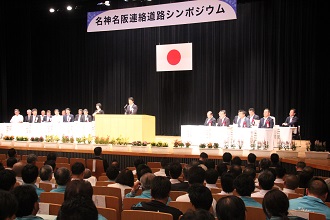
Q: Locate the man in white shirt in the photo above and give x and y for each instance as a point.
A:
(17, 118)
(164, 164)
(57, 118)
(266, 182)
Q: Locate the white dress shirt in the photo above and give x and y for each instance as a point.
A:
(161, 172)
(57, 118)
(17, 119)
(259, 194)
(185, 198)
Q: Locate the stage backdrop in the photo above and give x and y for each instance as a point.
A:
(270, 56)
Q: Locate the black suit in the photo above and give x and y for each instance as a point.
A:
(88, 117)
(183, 186)
(46, 119)
(28, 119)
(35, 119)
(211, 121)
(77, 117)
(71, 118)
(131, 110)
(105, 162)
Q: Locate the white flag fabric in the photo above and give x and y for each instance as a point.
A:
(174, 57)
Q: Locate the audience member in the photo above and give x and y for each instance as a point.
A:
(125, 180)
(300, 166)
(51, 163)
(210, 164)
(98, 156)
(266, 183)
(317, 193)
(164, 163)
(144, 184)
(291, 183)
(29, 175)
(27, 198)
(115, 162)
(137, 162)
(236, 161)
(264, 164)
(222, 168)
(46, 174)
(17, 168)
(142, 169)
(77, 171)
(199, 214)
(200, 196)
(235, 170)
(10, 162)
(203, 157)
(292, 120)
(251, 161)
(8, 204)
(275, 160)
(1, 166)
(210, 120)
(211, 177)
(78, 207)
(51, 156)
(226, 158)
(305, 176)
(227, 184)
(7, 180)
(62, 177)
(244, 185)
(230, 208)
(223, 120)
(327, 181)
(185, 171)
(279, 209)
(243, 121)
(175, 171)
(32, 159)
(160, 190)
(280, 173)
(112, 173)
(11, 152)
(89, 177)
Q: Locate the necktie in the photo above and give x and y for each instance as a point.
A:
(68, 118)
(290, 119)
(86, 118)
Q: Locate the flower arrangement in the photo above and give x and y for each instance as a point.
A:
(259, 145)
(67, 139)
(209, 145)
(178, 143)
(202, 145)
(121, 141)
(233, 146)
(37, 139)
(253, 145)
(52, 138)
(293, 145)
(240, 144)
(80, 140)
(8, 138)
(159, 144)
(286, 145)
(215, 145)
(226, 145)
(187, 144)
(102, 140)
(153, 144)
(136, 143)
(22, 138)
(265, 145)
(144, 143)
(320, 146)
(165, 144)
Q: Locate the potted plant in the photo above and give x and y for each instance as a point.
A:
(187, 144)
(7, 141)
(84, 142)
(288, 151)
(202, 145)
(67, 143)
(21, 141)
(51, 141)
(215, 145)
(318, 152)
(36, 142)
(210, 145)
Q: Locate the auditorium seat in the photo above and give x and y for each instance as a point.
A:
(103, 183)
(253, 213)
(129, 202)
(73, 160)
(215, 190)
(154, 165)
(62, 160)
(136, 194)
(258, 199)
(307, 215)
(218, 196)
(49, 208)
(281, 185)
(95, 166)
(144, 215)
(294, 195)
(103, 178)
(42, 158)
(112, 202)
(300, 191)
(3, 157)
(107, 191)
(46, 186)
(182, 206)
(52, 197)
(66, 165)
(176, 194)
(108, 213)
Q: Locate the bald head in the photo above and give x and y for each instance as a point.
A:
(17, 168)
(317, 188)
(87, 173)
(291, 181)
(146, 180)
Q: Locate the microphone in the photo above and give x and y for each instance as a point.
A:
(125, 106)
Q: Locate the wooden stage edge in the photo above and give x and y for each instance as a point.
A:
(321, 164)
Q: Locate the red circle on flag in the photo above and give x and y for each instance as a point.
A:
(173, 57)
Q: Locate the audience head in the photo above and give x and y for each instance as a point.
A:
(112, 172)
(125, 177)
(275, 159)
(264, 164)
(32, 159)
(266, 180)
(210, 164)
(164, 162)
(226, 157)
(8, 204)
(318, 188)
(98, 151)
(7, 180)
(222, 168)
(11, 161)
(235, 170)
(18, 167)
(203, 157)
(196, 175)
(280, 172)
(77, 170)
(300, 165)
(1, 166)
(115, 163)
(138, 161)
(305, 176)
(175, 170)
(27, 199)
(142, 169)
(46, 172)
(291, 181)
(62, 176)
(199, 214)
(78, 207)
(51, 156)
(87, 173)
(230, 208)
(278, 208)
(211, 176)
(146, 181)
(30, 173)
(185, 171)
(252, 158)
(244, 185)
(227, 182)
(200, 196)
(51, 163)
(236, 161)
(78, 187)
(250, 171)
(11, 152)
(160, 188)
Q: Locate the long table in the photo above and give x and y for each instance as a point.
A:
(233, 135)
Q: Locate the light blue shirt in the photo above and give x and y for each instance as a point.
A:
(310, 204)
(248, 201)
(59, 189)
(29, 217)
(146, 194)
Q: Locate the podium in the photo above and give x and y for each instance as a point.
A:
(133, 127)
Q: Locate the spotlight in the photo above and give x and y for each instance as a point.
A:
(51, 10)
(107, 3)
(69, 8)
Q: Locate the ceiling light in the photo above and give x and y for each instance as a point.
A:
(69, 8)
(107, 3)
(51, 10)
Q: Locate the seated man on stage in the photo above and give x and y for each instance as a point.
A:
(28, 117)
(17, 118)
(35, 116)
(252, 116)
(266, 121)
(223, 120)
(131, 108)
(68, 117)
(42, 115)
(57, 118)
(86, 117)
(292, 119)
(210, 120)
(78, 117)
(48, 116)
(243, 121)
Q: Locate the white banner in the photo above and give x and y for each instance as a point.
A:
(162, 15)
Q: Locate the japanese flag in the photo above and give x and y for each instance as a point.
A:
(174, 57)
